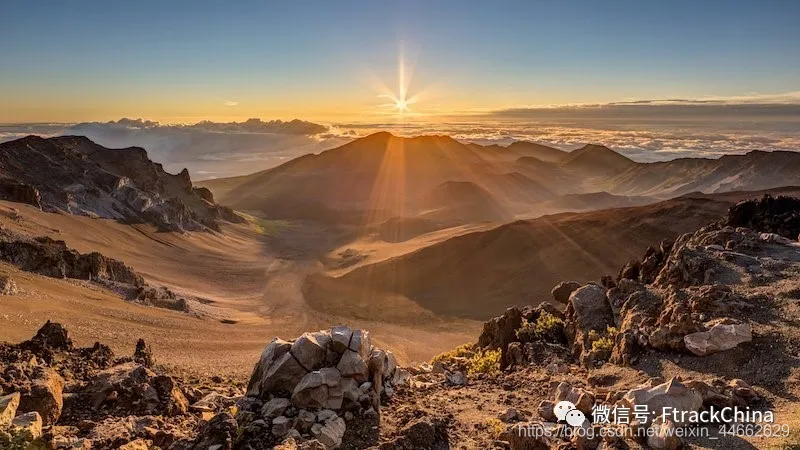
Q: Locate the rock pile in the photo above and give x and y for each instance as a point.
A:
(312, 387)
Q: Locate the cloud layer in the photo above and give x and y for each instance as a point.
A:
(649, 130)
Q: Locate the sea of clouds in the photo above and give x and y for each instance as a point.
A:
(642, 131)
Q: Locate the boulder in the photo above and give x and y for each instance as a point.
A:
(332, 433)
(8, 408)
(563, 290)
(275, 407)
(310, 350)
(273, 351)
(143, 354)
(672, 394)
(44, 395)
(588, 310)
(319, 389)
(719, 338)
(340, 338)
(353, 366)
(26, 427)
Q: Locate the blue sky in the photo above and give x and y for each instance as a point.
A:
(179, 61)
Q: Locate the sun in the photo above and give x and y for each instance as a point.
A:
(399, 100)
(401, 105)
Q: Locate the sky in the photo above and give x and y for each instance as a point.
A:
(337, 62)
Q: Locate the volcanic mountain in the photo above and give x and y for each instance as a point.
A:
(381, 176)
(74, 175)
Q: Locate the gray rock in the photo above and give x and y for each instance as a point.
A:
(353, 366)
(672, 394)
(281, 426)
(310, 349)
(45, 396)
(316, 389)
(361, 343)
(272, 352)
(275, 407)
(305, 419)
(332, 433)
(664, 437)
(719, 338)
(283, 375)
(340, 338)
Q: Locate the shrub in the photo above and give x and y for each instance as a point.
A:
(495, 427)
(547, 328)
(487, 361)
(473, 359)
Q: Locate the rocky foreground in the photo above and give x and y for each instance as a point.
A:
(708, 321)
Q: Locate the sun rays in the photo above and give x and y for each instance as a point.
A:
(399, 99)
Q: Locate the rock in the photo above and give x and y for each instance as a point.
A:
(281, 426)
(45, 395)
(219, 433)
(275, 407)
(588, 438)
(305, 419)
(26, 427)
(213, 402)
(319, 389)
(563, 290)
(665, 435)
(8, 408)
(283, 375)
(502, 330)
(516, 355)
(340, 338)
(509, 415)
(138, 391)
(588, 310)
(672, 394)
(361, 343)
(457, 378)
(719, 338)
(545, 411)
(310, 350)
(52, 336)
(143, 354)
(351, 365)
(8, 286)
(274, 351)
(332, 433)
(138, 444)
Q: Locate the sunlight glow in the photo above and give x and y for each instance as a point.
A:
(400, 100)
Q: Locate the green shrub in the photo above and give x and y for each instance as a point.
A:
(547, 328)
(473, 359)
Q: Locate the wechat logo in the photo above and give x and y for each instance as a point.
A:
(566, 411)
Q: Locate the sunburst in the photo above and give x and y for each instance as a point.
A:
(400, 100)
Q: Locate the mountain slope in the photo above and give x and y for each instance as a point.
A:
(479, 274)
(752, 171)
(74, 175)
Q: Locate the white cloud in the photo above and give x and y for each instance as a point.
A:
(231, 103)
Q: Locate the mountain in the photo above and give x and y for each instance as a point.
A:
(74, 175)
(380, 176)
(596, 159)
(479, 274)
(538, 151)
(462, 202)
(755, 170)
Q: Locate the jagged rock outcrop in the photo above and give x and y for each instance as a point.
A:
(74, 175)
(53, 258)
